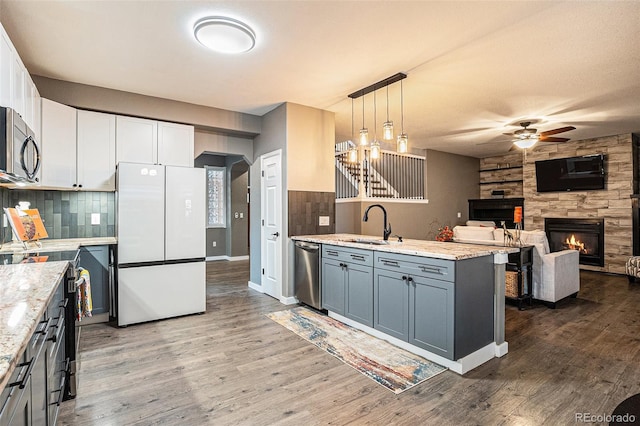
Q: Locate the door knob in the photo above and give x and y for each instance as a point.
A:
(276, 234)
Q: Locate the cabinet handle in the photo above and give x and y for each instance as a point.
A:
(63, 304)
(25, 378)
(343, 265)
(80, 186)
(357, 257)
(74, 185)
(404, 278)
(61, 390)
(386, 262)
(410, 279)
(431, 269)
(45, 328)
(332, 253)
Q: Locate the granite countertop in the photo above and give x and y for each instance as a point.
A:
(424, 248)
(59, 245)
(25, 291)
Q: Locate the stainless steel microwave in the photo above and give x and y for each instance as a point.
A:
(19, 151)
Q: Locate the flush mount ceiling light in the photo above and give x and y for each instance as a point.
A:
(224, 35)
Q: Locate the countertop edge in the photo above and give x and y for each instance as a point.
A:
(60, 244)
(423, 248)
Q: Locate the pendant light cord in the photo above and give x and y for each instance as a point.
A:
(388, 103)
(402, 105)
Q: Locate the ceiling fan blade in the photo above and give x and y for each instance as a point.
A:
(553, 139)
(556, 131)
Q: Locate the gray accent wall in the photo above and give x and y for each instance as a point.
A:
(451, 180)
(272, 138)
(66, 214)
(239, 229)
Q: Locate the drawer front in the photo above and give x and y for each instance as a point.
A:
(438, 269)
(342, 254)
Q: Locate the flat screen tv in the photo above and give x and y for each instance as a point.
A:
(571, 174)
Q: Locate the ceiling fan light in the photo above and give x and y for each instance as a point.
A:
(224, 35)
(387, 130)
(364, 136)
(526, 143)
(403, 143)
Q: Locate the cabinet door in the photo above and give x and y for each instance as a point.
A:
(359, 290)
(17, 83)
(96, 151)
(6, 75)
(136, 140)
(95, 259)
(58, 145)
(391, 303)
(431, 315)
(175, 144)
(333, 286)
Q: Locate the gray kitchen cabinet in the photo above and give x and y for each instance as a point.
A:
(431, 315)
(333, 286)
(434, 304)
(95, 259)
(391, 303)
(27, 398)
(348, 283)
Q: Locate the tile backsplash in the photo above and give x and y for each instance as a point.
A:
(66, 214)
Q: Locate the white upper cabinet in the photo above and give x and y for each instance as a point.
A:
(136, 140)
(17, 90)
(6, 67)
(139, 140)
(175, 144)
(96, 163)
(58, 145)
(78, 148)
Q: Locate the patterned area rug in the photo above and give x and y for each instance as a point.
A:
(390, 366)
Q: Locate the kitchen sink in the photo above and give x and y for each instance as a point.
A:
(367, 241)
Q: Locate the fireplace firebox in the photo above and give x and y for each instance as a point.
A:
(584, 235)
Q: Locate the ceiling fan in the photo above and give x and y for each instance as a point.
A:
(527, 137)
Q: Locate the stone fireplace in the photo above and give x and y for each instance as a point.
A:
(584, 235)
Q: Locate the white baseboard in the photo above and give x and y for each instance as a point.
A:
(234, 258)
(213, 258)
(229, 258)
(288, 300)
(502, 349)
(254, 286)
(461, 366)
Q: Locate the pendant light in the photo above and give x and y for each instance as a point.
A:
(387, 126)
(403, 138)
(353, 151)
(375, 145)
(364, 132)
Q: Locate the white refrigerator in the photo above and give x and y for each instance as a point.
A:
(161, 227)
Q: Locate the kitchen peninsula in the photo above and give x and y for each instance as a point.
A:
(441, 300)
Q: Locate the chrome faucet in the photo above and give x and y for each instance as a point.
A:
(387, 229)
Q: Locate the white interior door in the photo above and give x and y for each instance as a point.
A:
(271, 211)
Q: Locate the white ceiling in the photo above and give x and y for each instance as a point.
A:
(473, 67)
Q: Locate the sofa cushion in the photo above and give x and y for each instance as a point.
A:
(473, 233)
(486, 223)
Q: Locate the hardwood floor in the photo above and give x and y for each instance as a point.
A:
(232, 365)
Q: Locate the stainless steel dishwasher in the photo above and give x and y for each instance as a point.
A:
(307, 284)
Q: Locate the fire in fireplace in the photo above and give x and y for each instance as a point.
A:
(573, 244)
(584, 235)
